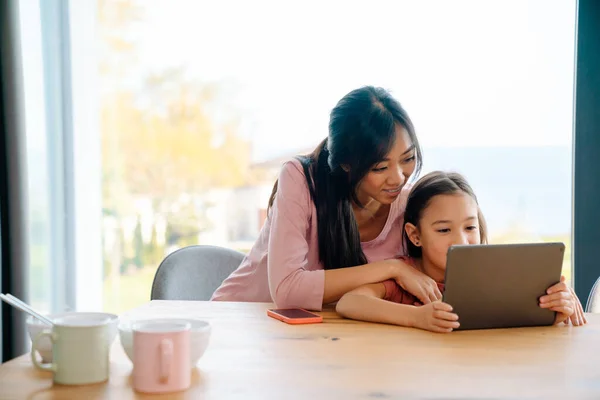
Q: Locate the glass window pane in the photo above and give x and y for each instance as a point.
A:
(39, 274)
(200, 106)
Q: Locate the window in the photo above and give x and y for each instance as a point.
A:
(199, 107)
(171, 131)
(62, 155)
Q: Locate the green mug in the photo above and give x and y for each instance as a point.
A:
(80, 349)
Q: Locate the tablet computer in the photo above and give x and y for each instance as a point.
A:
(499, 286)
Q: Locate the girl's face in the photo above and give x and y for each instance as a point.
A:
(448, 219)
(387, 178)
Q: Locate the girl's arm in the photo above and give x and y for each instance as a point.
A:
(367, 303)
(563, 300)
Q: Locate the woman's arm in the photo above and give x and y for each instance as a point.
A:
(341, 281)
(292, 283)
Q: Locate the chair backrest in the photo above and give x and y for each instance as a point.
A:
(194, 272)
(593, 303)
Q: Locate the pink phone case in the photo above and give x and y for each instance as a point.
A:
(295, 321)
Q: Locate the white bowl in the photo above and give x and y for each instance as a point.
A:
(35, 326)
(199, 336)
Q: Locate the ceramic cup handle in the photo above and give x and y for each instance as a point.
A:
(166, 359)
(34, 345)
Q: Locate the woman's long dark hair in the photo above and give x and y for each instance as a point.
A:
(362, 131)
(433, 184)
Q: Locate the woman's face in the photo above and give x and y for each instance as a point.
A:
(386, 179)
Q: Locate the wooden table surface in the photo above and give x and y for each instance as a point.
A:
(252, 356)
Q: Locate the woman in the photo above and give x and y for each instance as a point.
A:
(335, 216)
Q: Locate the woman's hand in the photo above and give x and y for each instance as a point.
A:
(562, 299)
(436, 317)
(415, 282)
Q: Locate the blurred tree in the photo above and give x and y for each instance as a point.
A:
(153, 252)
(160, 137)
(138, 245)
(116, 18)
(117, 59)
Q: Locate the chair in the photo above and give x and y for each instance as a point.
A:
(593, 302)
(193, 272)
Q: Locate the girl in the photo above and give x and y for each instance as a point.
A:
(441, 211)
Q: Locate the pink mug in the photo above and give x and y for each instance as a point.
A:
(161, 356)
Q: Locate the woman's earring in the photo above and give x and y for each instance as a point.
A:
(417, 243)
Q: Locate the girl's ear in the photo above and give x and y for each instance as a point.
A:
(413, 234)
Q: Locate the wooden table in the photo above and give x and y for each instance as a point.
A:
(252, 356)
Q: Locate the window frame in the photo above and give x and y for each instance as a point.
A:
(586, 144)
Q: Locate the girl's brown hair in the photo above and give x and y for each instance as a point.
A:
(431, 185)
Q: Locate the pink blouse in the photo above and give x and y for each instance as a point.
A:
(283, 265)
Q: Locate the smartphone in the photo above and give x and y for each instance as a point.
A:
(295, 316)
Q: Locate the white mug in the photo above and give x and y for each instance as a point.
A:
(80, 349)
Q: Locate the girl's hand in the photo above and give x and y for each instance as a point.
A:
(415, 282)
(436, 317)
(564, 302)
(578, 317)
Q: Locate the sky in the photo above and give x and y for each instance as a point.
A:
(469, 73)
